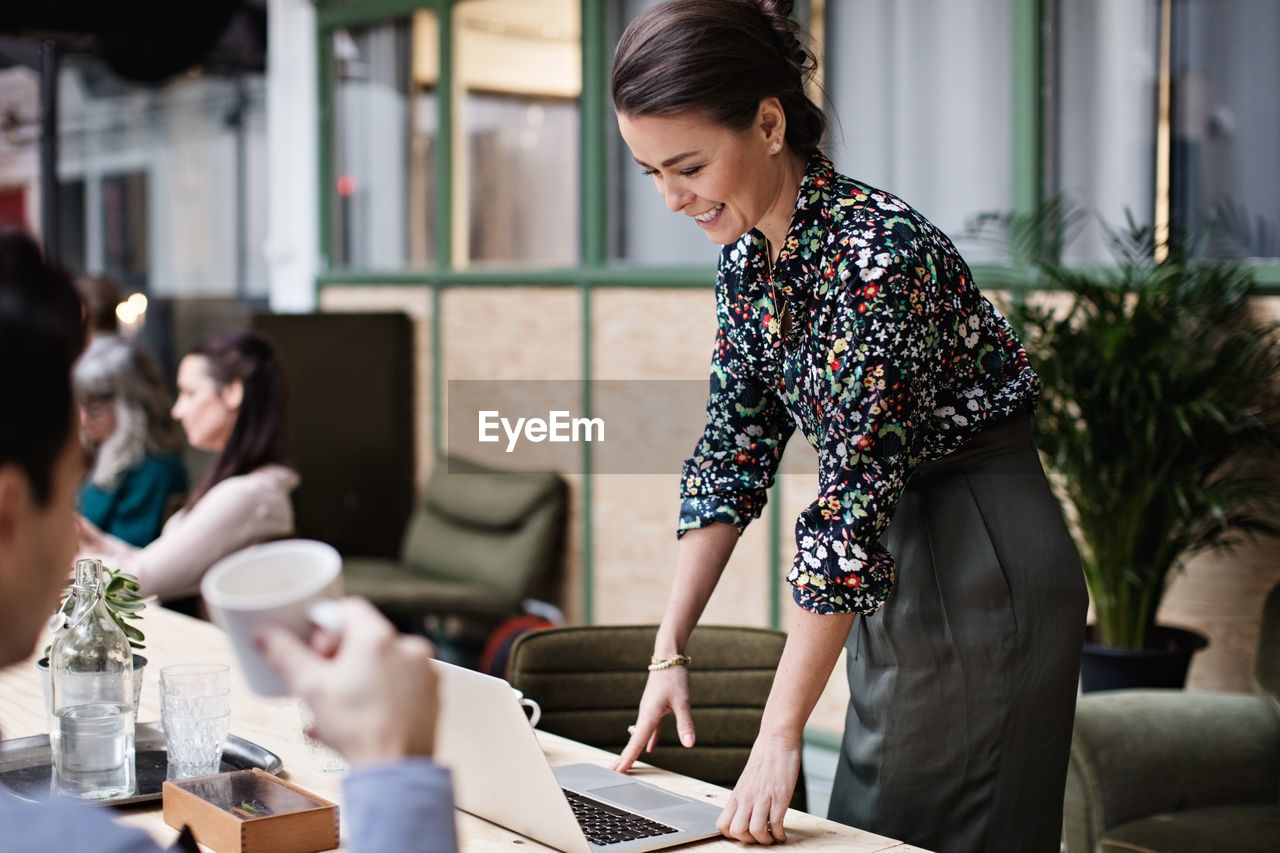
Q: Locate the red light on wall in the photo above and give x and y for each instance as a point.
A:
(346, 185)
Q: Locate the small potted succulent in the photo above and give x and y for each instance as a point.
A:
(125, 603)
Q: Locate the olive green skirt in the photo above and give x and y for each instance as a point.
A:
(963, 684)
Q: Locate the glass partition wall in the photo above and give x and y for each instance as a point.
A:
(514, 89)
(961, 107)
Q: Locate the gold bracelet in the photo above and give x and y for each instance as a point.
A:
(656, 663)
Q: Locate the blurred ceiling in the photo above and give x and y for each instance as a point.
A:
(142, 40)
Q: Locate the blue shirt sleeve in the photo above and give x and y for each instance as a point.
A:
(404, 806)
(63, 824)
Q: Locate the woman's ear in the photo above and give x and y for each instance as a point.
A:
(233, 394)
(771, 123)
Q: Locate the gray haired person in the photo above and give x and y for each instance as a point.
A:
(138, 475)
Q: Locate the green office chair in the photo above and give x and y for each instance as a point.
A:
(589, 680)
(1173, 771)
(479, 544)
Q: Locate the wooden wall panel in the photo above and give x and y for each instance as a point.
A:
(1221, 595)
(511, 333)
(653, 335)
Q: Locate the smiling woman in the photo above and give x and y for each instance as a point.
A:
(698, 166)
(844, 313)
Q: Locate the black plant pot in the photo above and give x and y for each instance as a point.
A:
(1163, 663)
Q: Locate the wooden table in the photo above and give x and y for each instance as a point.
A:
(275, 724)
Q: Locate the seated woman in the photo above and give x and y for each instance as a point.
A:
(137, 471)
(231, 400)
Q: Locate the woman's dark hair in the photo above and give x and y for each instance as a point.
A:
(100, 295)
(41, 334)
(718, 57)
(259, 436)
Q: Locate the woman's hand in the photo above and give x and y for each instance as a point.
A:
(666, 692)
(760, 800)
(91, 538)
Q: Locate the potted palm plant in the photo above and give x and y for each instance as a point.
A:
(1158, 422)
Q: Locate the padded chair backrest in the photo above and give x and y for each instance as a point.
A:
(498, 529)
(589, 681)
(1266, 662)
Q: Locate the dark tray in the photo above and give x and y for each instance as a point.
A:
(26, 764)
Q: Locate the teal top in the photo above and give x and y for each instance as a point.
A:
(135, 510)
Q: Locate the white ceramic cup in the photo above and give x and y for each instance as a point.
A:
(286, 583)
(532, 709)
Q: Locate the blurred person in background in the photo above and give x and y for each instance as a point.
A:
(137, 475)
(232, 402)
(374, 694)
(100, 295)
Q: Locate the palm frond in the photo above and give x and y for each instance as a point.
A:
(1160, 405)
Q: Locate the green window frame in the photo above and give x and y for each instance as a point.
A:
(594, 268)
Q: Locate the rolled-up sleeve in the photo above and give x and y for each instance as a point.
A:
(734, 463)
(880, 345)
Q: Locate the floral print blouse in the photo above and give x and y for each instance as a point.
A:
(883, 354)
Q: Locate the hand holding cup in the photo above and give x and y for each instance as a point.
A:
(288, 583)
(372, 690)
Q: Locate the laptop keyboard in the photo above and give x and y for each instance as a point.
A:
(605, 825)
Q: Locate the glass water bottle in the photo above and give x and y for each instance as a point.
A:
(91, 665)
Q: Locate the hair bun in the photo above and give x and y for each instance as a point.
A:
(788, 34)
(720, 57)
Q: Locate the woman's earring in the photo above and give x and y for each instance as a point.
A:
(777, 146)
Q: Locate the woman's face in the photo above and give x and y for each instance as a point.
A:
(97, 419)
(206, 410)
(726, 181)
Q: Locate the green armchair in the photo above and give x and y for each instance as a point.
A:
(478, 545)
(1169, 771)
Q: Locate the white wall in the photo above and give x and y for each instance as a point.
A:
(292, 246)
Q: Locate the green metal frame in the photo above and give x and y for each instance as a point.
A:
(1025, 110)
(595, 271)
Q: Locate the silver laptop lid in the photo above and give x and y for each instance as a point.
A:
(501, 774)
(499, 771)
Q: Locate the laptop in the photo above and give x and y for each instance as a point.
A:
(500, 774)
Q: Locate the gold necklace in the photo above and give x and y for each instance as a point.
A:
(780, 322)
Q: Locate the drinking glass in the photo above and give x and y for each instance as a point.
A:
(195, 712)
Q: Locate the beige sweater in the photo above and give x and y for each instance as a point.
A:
(236, 513)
